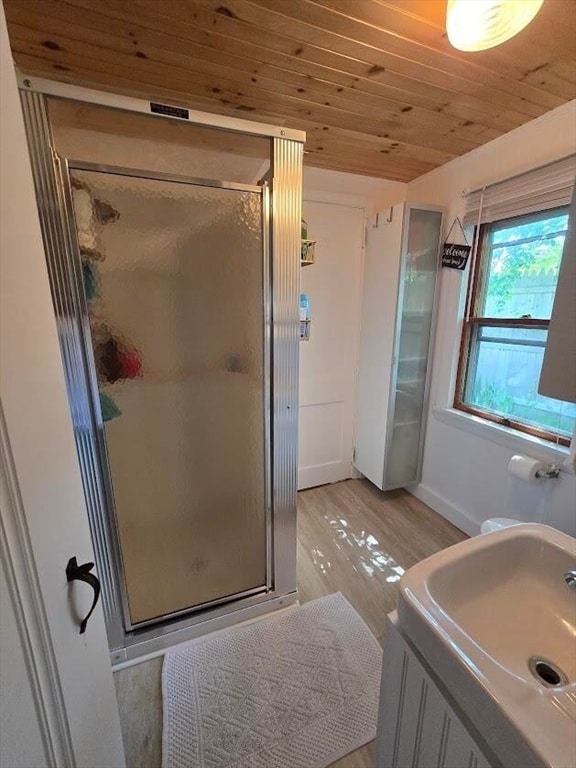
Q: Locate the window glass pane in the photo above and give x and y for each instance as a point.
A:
(503, 378)
(532, 336)
(523, 265)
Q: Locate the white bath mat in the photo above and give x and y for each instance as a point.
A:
(299, 690)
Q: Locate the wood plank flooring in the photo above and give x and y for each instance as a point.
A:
(353, 539)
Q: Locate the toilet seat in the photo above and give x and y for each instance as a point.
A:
(497, 523)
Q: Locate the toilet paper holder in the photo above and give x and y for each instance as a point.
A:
(532, 470)
(551, 471)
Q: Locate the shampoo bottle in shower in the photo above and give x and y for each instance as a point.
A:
(304, 307)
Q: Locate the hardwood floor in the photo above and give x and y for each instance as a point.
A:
(353, 539)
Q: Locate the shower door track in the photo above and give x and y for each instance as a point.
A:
(168, 617)
(281, 213)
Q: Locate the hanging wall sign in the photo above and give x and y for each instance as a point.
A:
(454, 255)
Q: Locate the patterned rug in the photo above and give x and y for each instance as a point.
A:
(298, 690)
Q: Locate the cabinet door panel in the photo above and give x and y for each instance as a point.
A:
(414, 323)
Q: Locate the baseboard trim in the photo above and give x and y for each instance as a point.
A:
(443, 507)
(323, 474)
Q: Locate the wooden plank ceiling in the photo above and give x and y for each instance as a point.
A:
(374, 83)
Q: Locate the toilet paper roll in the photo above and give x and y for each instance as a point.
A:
(526, 468)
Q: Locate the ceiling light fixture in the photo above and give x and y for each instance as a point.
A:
(475, 25)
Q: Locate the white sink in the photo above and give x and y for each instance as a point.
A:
(478, 612)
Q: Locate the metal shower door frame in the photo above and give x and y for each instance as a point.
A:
(114, 547)
(281, 213)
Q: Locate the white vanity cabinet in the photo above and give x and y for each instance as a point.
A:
(401, 271)
(417, 726)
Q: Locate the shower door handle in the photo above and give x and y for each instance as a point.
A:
(75, 572)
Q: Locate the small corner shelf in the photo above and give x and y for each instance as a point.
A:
(307, 249)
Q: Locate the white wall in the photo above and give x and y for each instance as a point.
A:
(334, 208)
(44, 521)
(465, 463)
(349, 188)
(21, 744)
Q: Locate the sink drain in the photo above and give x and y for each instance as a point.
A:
(546, 672)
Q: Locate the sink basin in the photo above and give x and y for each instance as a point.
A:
(495, 619)
(508, 597)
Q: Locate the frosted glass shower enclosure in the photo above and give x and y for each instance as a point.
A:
(173, 252)
(179, 363)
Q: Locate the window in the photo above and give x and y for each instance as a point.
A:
(511, 294)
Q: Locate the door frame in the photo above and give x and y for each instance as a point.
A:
(31, 84)
(281, 233)
(62, 679)
(104, 516)
(23, 581)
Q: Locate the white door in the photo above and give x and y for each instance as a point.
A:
(329, 361)
(55, 677)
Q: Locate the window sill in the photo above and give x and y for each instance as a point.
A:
(518, 442)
